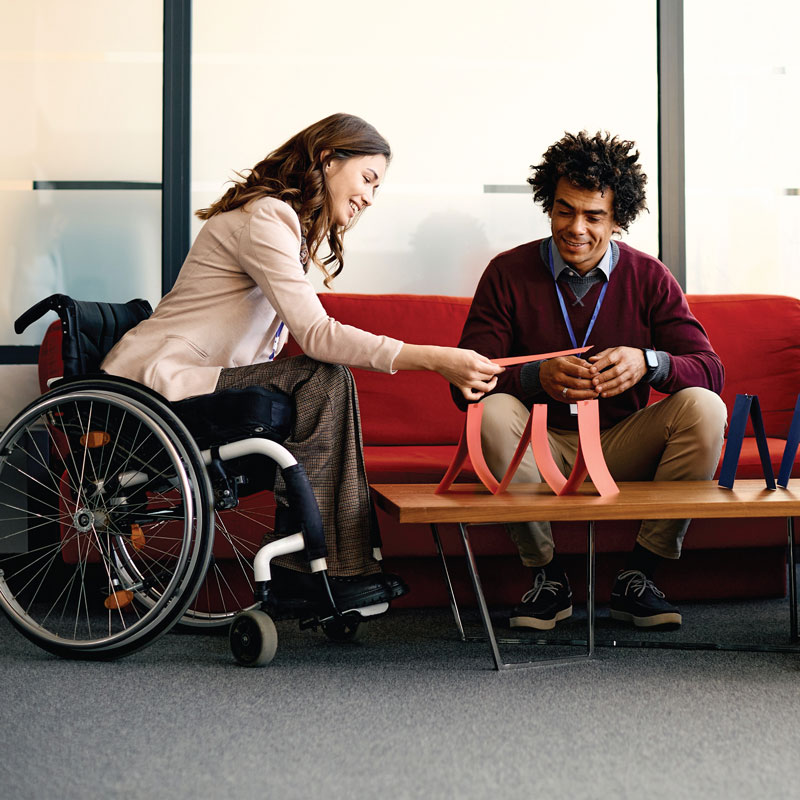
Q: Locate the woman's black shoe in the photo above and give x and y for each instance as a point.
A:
(359, 591)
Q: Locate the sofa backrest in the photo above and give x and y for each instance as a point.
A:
(757, 336)
(407, 407)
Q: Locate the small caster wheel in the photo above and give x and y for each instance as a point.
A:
(253, 638)
(343, 629)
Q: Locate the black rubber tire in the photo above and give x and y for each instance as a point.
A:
(253, 638)
(71, 553)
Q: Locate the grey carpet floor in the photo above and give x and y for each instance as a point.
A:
(410, 712)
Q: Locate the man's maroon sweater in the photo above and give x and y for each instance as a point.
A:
(516, 312)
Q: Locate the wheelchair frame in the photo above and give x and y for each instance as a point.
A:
(105, 480)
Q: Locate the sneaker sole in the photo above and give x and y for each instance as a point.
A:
(657, 620)
(540, 624)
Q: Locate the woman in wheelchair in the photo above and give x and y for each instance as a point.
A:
(243, 289)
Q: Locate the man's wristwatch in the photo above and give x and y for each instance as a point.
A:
(651, 362)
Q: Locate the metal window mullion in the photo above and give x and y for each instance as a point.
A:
(176, 139)
(671, 134)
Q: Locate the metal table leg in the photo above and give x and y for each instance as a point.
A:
(499, 663)
(792, 580)
(448, 582)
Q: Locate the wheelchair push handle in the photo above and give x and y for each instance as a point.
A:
(53, 303)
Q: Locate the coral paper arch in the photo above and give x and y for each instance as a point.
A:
(589, 459)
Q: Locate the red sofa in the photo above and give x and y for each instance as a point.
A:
(411, 426)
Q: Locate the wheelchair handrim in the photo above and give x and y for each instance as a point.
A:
(192, 557)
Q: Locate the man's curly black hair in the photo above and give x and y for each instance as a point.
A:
(596, 163)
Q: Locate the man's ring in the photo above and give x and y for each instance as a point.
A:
(564, 391)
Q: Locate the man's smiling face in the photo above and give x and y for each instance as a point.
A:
(582, 221)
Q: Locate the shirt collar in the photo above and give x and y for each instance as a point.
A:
(605, 265)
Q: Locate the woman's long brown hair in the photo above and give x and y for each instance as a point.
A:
(294, 173)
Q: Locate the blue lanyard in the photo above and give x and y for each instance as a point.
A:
(564, 307)
(275, 342)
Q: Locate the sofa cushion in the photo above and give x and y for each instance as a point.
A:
(415, 464)
(428, 463)
(756, 336)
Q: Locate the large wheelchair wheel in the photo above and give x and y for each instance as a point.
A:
(229, 586)
(106, 520)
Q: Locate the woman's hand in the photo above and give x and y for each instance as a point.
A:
(472, 373)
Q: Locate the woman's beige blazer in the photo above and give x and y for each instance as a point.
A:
(241, 279)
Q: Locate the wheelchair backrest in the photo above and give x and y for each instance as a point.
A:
(89, 329)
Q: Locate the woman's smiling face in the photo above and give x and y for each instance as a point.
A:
(351, 184)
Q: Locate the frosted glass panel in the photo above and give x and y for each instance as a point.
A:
(742, 159)
(84, 82)
(468, 97)
(91, 245)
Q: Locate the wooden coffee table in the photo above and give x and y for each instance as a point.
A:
(467, 504)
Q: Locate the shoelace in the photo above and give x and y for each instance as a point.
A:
(638, 583)
(541, 584)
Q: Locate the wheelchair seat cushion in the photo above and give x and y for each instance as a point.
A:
(233, 414)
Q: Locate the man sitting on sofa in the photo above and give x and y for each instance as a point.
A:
(575, 288)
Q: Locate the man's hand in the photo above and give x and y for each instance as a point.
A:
(568, 379)
(617, 369)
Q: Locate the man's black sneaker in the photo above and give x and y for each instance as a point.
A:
(635, 598)
(543, 605)
(293, 588)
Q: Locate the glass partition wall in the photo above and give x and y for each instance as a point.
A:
(742, 96)
(80, 166)
(468, 97)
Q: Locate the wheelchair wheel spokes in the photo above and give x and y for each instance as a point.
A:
(229, 585)
(92, 565)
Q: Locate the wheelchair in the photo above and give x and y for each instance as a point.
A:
(123, 514)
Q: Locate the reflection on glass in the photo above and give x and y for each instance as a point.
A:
(84, 83)
(474, 101)
(742, 162)
(91, 245)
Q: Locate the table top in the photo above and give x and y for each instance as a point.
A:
(467, 502)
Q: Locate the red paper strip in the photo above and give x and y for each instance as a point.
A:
(456, 464)
(507, 362)
(589, 441)
(473, 426)
(542, 455)
(579, 471)
(589, 459)
(516, 459)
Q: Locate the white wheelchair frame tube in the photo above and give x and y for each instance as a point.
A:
(293, 543)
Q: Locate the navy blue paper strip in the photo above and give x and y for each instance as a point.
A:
(761, 441)
(790, 451)
(745, 405)
(733, 445)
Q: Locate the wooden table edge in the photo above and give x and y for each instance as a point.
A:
(467, 503)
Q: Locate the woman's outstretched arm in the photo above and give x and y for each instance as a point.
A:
(472, 373)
